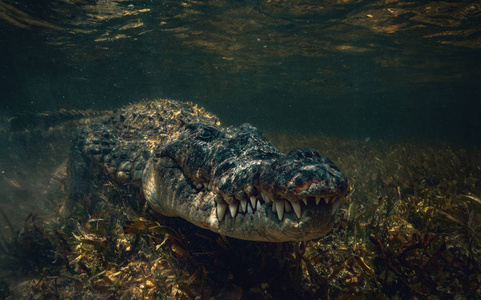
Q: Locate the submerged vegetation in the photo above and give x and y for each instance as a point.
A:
(412, 229)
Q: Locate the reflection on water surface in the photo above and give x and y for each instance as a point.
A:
(380, 69)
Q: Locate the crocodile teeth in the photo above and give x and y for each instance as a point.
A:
(243, 205)
(253, 201)
(266, 198)
(221, 208)
(335, 206)
(304, 200)
(233, 209)
(297, 208)
(280, 209)
(258, 206)
(326, 200)
(263, 196)
(249, 209)
(318, 199)
(209, 186)
(287, 207)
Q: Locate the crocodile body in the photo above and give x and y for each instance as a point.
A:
(231, 180)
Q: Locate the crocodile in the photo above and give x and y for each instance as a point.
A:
(230, 180)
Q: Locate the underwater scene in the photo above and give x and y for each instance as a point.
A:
(275, 149)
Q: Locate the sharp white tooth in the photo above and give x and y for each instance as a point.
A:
(273, 208)
(304, 200)
(253, 201)
(258, 206)
(265, 198)
(318, 199)
(287, 206)
(326, 200)
(297, 208)
(249, 209)
(221, 208)
(335, 206)
(210, 186)
(280, 209)
(233, 209)
(243, 205)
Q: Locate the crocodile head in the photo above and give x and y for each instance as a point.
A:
(235, 182)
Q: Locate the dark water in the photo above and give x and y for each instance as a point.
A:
(347, 73)
(388, 69)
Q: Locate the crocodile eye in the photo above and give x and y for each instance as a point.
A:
(206, 134)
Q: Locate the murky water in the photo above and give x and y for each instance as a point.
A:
(366, 69)
(389, 90)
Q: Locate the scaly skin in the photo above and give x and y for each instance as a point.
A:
(232, 180)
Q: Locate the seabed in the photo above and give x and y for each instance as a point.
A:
(411, 230)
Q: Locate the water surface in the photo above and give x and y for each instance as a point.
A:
(388, 69)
